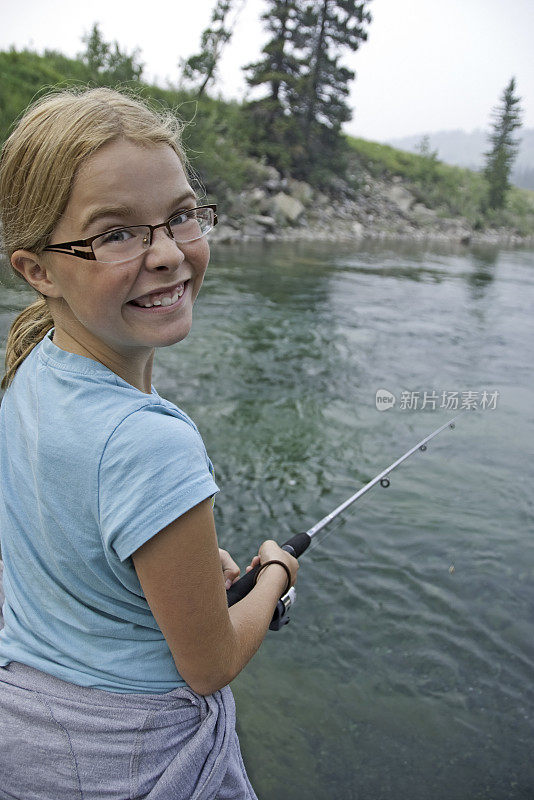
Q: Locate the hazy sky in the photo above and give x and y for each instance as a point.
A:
(428, 65)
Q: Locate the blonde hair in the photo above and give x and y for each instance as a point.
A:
(38, 165)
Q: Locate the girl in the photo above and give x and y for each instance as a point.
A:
(118, 645)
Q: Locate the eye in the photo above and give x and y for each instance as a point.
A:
(183, 216)
(117, 236)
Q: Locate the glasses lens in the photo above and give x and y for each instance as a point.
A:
(191, 225)
(121, 244)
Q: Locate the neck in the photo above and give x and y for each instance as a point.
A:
(135, 368)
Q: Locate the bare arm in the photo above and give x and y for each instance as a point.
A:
(180, 572)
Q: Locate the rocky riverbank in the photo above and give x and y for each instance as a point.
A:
(282, 209)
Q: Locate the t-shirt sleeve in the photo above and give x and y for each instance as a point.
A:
(153, 469)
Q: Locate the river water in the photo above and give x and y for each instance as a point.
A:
(407, 671)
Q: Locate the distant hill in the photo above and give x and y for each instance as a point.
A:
(467, 150)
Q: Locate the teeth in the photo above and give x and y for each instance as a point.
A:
(167, 300)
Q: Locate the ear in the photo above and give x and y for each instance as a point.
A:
(33, 269)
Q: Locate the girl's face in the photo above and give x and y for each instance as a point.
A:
(97, 304)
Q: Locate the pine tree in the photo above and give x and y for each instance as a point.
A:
(279, 65)
(108, 65)
(427, 165)
(274, 132)
(504, 146)
(329, 26)
(301, 117)
(202, 67)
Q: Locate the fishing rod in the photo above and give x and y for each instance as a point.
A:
(299, 543)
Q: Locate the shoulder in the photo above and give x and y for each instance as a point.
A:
(155, 423)
(152, 438)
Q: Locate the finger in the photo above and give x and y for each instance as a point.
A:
(231, 575)
(229, 567)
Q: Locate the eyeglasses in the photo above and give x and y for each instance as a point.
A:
(123, 244)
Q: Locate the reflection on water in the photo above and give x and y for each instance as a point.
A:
(397, 677)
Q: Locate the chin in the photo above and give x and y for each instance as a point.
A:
(173, 337)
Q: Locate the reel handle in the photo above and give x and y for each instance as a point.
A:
(295, 546)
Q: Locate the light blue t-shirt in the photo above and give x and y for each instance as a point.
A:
(91, 468)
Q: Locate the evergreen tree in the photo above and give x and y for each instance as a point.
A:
(328, 26)
(202, 67)
(274, 132)
(504, 146)
(308, 85)
(108, 65)
(280, 66)
(427, 165)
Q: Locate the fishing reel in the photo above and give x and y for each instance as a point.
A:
(295, 546)
(280, 616)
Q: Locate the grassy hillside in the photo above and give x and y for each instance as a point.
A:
(214, 135)
(218, 138)
(466, 150)
(452, 191)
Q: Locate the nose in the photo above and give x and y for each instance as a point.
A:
(163, 251)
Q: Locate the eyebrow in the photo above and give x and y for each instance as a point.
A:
(104, 211)
(124, 211)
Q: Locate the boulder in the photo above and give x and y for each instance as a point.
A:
(322, 200)
(257, 197)
(253, 230)
(300, 190)
(424, 214)
(224, 234)
(266, 222)
(400, 196)
(287, 207)
(271, 173)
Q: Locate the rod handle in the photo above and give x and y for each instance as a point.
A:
(241, 587)
(238, 590)
(297, 545)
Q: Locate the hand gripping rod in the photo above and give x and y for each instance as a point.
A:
(299, 543)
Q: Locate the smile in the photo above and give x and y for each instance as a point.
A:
(163, 299)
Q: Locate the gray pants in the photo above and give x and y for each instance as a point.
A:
(60, 741)
(1, 593)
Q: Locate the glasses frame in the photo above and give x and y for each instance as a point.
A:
(73, 248)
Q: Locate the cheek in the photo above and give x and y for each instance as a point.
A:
(200, 259)
(206, 259)
(113, 284)
(121, 282)
(201, 255)
(99, 294)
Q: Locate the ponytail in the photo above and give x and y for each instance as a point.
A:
(28, 329)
